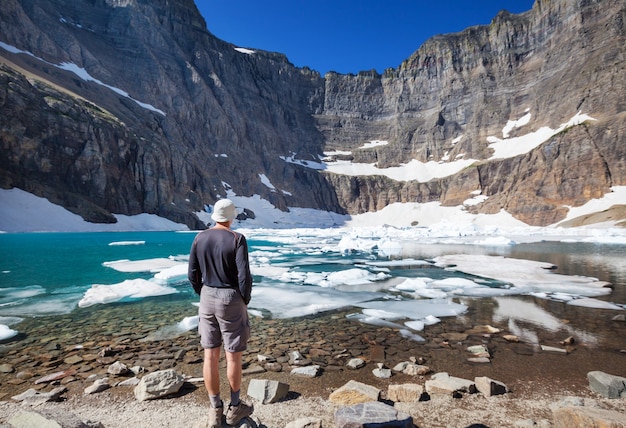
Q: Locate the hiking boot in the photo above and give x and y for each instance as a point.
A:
(236, 413)
(215, 417)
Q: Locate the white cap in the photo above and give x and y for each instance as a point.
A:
(223, 211)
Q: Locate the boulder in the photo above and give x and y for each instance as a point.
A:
(98, 386)
(413, 369)
(443, 383)
(479, 351)
(267, 391)
(33, 397)
(381, 372)
(355, 363)
(158, 384)
(580, 416)
(607, 385)
(49, 418)
(354, 392)
(296, 359)
(370, 415)
(274, 367)
(408, 392)
(308, 371)
(489, 387)
(118, 368)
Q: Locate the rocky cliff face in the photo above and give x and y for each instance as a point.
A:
(457, 90)
(130, 106)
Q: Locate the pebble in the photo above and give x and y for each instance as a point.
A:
(6, 368)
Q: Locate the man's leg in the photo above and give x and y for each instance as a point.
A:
(233, 370)
(237, 409)
(211, 370)
(211, 374)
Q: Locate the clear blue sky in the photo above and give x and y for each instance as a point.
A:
(346, 36)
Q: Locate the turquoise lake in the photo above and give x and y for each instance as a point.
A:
(296, 273)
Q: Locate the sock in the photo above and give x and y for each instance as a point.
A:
(234, 398)
(216, 401)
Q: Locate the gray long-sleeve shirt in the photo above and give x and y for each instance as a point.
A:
(219, 258)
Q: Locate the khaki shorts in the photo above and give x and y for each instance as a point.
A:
(223, 317)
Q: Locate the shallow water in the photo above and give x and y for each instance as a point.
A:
(46, 274)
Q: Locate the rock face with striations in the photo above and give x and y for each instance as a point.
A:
(134, 106)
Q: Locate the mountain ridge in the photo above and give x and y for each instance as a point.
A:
(200, 119)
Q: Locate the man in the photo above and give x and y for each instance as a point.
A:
(219, 272)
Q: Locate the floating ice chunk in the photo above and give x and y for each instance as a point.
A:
(382, 314)
(594, 303)
(402, 262)
(354, 276)
(563, 297)
(268, 271)
(131, 288)
(485, 292)
(172, 274)
(413, 284)
(454, 283)
(148, 265)
(495, 241)
(526, 275)
(125, 243)
(263, 256)
(417, 309)
(289, 301)
(429, 293)
(13, 295)
(415, 325)
(431, 320)
(389, 248)
(348, 244)
(351, 277)
(6, 332)
(608, 239)
(379, 322)
(52, 304)
(172, 331)
(189, 323)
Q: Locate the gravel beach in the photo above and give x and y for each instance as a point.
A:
(538, 380)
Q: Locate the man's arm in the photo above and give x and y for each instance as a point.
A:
(243, 270)
(194, 273)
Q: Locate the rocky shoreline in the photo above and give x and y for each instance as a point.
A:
(93, 361)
